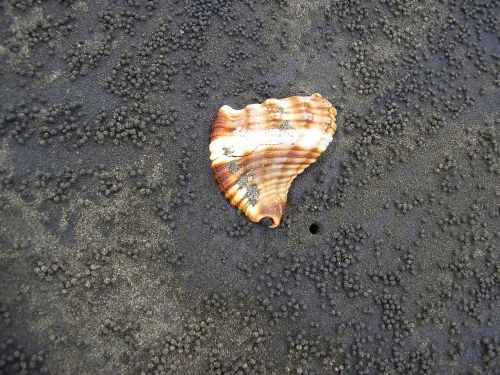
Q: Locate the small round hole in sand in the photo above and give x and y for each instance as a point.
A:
(314, 228)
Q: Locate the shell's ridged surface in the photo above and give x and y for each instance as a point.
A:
(258, 151)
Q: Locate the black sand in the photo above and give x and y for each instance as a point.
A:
(119, 256)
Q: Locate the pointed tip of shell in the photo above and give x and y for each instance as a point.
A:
(269, 215)
(268, 222)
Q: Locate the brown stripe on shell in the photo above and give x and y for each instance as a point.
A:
(222, 125)
(276, 151)
(224, 178)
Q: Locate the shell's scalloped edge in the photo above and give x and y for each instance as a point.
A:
(228, 109)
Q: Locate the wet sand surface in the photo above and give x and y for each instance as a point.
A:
(119, 256)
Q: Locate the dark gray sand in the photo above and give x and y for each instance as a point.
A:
(119, 256)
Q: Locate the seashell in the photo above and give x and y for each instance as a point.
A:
(258, 151)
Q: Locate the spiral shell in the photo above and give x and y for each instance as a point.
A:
(258, 151)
